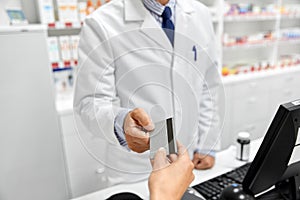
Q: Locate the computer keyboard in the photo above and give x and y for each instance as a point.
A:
(213, 188)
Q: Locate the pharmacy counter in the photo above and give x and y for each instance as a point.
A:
(225, 161)
(258, 94)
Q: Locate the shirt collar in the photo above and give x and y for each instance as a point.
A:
(156, 7)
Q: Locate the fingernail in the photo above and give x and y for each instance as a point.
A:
(162, 149)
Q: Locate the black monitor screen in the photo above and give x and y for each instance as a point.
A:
(274, 155)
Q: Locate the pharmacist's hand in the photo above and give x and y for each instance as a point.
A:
(202, 161)
(137, 126)
(170, 180)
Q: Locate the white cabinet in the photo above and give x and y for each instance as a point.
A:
(247, 97)
(32, 163)
(288, 84)
(251, 103)
(227, 122)
(86, 172)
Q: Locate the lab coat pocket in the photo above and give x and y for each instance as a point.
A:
(200, 58)
(197, 60)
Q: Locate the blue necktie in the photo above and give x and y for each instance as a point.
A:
(167, 24)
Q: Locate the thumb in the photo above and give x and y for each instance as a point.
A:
(142, 118)
(160, 160)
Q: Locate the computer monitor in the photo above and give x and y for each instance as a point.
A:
(278, 158)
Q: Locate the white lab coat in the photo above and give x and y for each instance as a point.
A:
(127, 61)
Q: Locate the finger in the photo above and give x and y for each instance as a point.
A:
(202, 166)
(136, 132)
(138, 149)
(137, 144)
(160, 159)
(142, 118)
(136, 140)
(173, 157)
(197, 157)
(206, 163)
(196, 162)
(180, 148)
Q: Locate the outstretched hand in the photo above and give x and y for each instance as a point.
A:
(169, 180)
(137, 126)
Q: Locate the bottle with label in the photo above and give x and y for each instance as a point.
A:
(89, 7)
(99, 3)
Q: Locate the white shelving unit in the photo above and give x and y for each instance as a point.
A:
(252, 98)
(240, 25)
(237, 25)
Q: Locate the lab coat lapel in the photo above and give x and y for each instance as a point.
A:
(151, 29)
(183, 12)
(135, 11)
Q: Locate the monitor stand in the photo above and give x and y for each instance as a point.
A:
(290, 187)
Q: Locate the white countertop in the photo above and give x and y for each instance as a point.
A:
(23, 28)
(225, 162)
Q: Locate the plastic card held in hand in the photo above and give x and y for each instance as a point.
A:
(163, 136)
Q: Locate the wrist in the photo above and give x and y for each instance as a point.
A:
(156, 188)
(118, 126)
(159, 193)
(211, 153)
(156, 194)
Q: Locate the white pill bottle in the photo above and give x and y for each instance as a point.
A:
(243, 146)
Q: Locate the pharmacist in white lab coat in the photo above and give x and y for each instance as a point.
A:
(133, 73)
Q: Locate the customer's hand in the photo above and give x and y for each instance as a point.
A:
(202, 161)
(137, 126)
(170, 180)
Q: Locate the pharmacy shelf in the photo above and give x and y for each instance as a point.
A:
(249, 23)
(250, 46)
(63, 25)
(262, 44)
(289, 42)
(243, 24)
(295, 16)
(62, 69)
(243, 18)
(261, 74)
(63, 31)
(64, 28)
